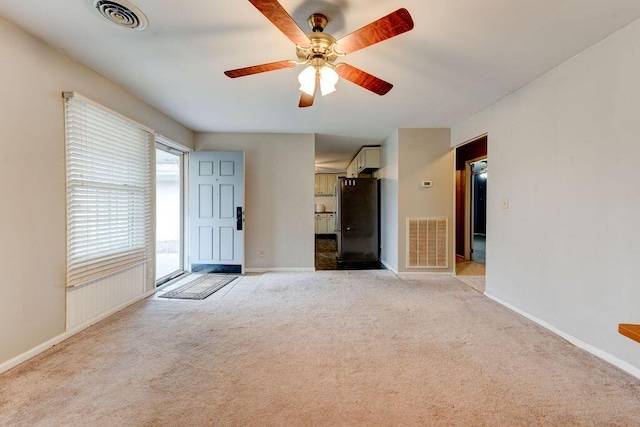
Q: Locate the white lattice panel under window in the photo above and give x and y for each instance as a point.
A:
(427, 242)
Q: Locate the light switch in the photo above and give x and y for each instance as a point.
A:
(426, 184)
(505, 203)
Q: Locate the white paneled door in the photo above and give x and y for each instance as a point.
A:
(216, 219)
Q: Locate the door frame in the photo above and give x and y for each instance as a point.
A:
(474, 149)
(188, 260)
(165, 144)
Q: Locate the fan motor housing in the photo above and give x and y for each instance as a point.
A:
(321, 45)
(318, 22)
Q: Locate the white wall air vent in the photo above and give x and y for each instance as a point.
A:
(427, 242)
(121, 13)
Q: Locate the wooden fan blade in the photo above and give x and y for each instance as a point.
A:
(391, 25)
(361, 78)
(306, 100)
(279, 17)
(272, 66)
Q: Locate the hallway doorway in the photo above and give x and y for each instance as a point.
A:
(471, 212)
(478, 211)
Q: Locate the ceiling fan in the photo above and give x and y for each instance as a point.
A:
(319, 50)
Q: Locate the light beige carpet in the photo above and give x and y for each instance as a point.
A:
(327, 348)
(476, 282)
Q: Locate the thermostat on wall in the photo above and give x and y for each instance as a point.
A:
(426, 184)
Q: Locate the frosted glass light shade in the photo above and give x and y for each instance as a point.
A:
(328, 80)
(307, 80)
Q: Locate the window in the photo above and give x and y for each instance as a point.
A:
(109, 211)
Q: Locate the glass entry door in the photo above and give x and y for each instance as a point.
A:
(169, 213)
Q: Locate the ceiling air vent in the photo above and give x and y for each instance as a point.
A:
(121, 13)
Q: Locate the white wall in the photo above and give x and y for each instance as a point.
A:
(388, 175)
(32, 180)
(410, 156)
(563, 150)
(279, 197)
(425, 155)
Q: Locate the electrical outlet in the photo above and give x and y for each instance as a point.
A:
(261, 254)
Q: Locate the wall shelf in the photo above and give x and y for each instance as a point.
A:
(630, 331)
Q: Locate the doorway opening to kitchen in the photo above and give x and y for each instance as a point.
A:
(325, 221)
(347, 213)
(347, 237)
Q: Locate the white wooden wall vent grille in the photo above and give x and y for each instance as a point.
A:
(427, 242)
(109, 210)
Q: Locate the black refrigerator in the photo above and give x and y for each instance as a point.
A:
(357, 222)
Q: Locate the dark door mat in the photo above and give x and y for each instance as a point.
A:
(216, 268)
(201, 287)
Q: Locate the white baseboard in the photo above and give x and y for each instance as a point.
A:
(627, 367)
(422, 274)
(280, 270)
(416, 274)
(15, 361)
(12, 363)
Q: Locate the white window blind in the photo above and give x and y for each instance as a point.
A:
(109, 212)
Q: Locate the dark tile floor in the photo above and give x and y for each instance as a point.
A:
(326, 252)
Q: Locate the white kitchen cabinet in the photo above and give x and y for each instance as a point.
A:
(325, 223)
(321, 184)
(324, 183)
(321, 223)
(331, 223)
(331, 183)
(360, 158)
(352, 170)
(366, 161)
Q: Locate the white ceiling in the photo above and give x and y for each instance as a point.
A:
(462, 56)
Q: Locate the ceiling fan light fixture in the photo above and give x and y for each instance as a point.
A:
(328, 80)
(307, 80)
(317, 50)
(309, 76)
